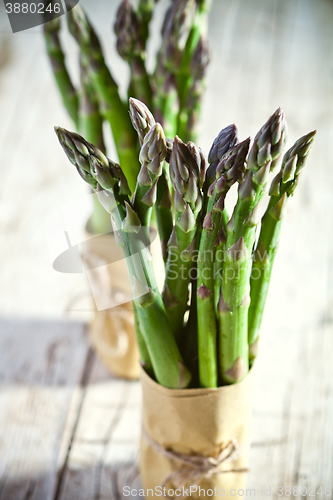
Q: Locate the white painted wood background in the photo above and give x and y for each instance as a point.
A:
(68, 430)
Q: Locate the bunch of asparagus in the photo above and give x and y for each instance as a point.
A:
(203, 329)
(173, 92)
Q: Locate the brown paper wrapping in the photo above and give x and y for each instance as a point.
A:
(112, 331)
(195, 422)
(112, 334)
(102, 250)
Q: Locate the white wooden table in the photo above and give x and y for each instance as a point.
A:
(68, 430)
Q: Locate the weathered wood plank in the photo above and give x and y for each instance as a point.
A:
(41, 366)
(105, 411)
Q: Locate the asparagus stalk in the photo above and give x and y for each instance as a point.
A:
(232, 310)
(226, 139)
(91, 127)
(131, 47)
(282, 187)
(228, 171)
(149, 185)
(113, 109)
(143, 121)
(267, 148)
(57, 59)
(175, 31)
(145, 12)
(185, 174)
(91, 121)
(191, 78)
(110, 183)
(81, 106)
(163, 211)
(191, 108)
(152, 154)
(168, 364)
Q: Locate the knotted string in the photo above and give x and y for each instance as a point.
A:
(196, 467)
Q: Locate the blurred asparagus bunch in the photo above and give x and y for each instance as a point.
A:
(173, 91)
(203, 329)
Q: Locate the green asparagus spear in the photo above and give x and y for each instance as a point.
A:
(163, 211)
(232, 310)
(57, 59)
(191, 104)
(226, 139)
(113, 109)
(283, 186)
(186, 178)
(127, 29)
(152, 154)
(267, 148)
(175, 31)
(228, 171)
(143, 121)
(141, 117)
(145, 12)
(131, 47)
(91, 121)
(91, 127)
(191, 78)
(168, 365)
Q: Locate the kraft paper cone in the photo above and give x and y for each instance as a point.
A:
(112, 334)
(196, 422)
(104, 259)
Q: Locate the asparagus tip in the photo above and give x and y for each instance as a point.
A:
(141, 118)
(226, 139)
(127, 29)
